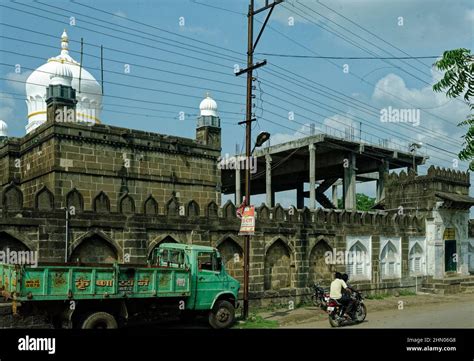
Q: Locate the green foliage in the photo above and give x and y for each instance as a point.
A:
(364, 202)
(458, 65)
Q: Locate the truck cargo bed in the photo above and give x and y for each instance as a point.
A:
(63, 282)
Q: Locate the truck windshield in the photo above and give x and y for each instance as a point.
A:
(208, 261)
(169, 258)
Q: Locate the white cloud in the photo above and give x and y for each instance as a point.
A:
(120, 13)
(16, 81)
(303, 131)
(7, 106)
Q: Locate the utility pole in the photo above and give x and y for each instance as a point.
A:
(248, 122)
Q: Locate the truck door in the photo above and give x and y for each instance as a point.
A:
(210, 280)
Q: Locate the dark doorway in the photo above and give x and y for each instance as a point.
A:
(450, 257)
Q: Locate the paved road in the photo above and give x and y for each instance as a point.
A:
(448, 315)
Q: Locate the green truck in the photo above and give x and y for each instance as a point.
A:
(179, 280)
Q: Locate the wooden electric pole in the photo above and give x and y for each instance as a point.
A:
(248, 126)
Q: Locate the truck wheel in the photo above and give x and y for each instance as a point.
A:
(99, 320)
(222, 315)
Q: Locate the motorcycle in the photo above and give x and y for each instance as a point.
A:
(356, 315)
(320, 297)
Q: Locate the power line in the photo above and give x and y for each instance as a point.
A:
(123, 74)
(114, 36)
(355, 75)
(341, 36)
(140, 87)
(448, 141)
(181, 94)
(126, 98)
(386, 51)
(121, 51)
(157, 28)
(348, 57)
(139, 77)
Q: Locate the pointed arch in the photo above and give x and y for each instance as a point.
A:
(212, 210)
(95, 247)
(101, 203)
(319, 269)
(15, 241)
(150, 206)
(126, 204)
(416, 259)
(389, 260)
(12, 197)
(228, 211)
(44, 199)
(172, 207)
(193, 209)
(278, 213)
(164, 238)
(74, 199)
(277, 269)
(358, 261)
(232, 256)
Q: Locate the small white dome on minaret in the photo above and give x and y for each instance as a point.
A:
(3, 129)
(62, 75)
(208, 107)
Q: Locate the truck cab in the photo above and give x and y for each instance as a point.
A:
(212, 288)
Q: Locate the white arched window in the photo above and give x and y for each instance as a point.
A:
(389, 261)
(416, 259)
(357, 261)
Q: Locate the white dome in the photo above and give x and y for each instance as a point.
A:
(63, 75)
(208, 107)
(3, 129)
(89, 99)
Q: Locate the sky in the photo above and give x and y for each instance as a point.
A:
(179, 50)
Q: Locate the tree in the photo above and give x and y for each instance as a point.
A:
(364, 202)
(458, 65)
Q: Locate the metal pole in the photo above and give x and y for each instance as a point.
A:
(248, 139)
(67, 235)
(80, 65)
(102, 68)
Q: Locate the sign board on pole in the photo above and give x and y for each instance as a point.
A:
(247, 227)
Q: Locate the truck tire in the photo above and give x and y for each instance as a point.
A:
(222, 315)
(99, 320)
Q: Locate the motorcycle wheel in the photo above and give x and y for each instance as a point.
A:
(360, 313)
(332, 321)
(315, 301)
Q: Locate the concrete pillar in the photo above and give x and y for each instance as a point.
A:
(270, 199)
(312, 176)
(238, 190)
(380, 192)
(334, 195)
(300, 195)
(349, 182)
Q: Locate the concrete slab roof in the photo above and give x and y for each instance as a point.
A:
(290, 162)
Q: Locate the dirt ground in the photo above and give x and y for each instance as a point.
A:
(308, 315)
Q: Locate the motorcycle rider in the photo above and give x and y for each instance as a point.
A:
(350, 302)
(340, 292)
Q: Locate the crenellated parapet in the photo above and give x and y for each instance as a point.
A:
(11, 204)
(433, 174)
(410, 192)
